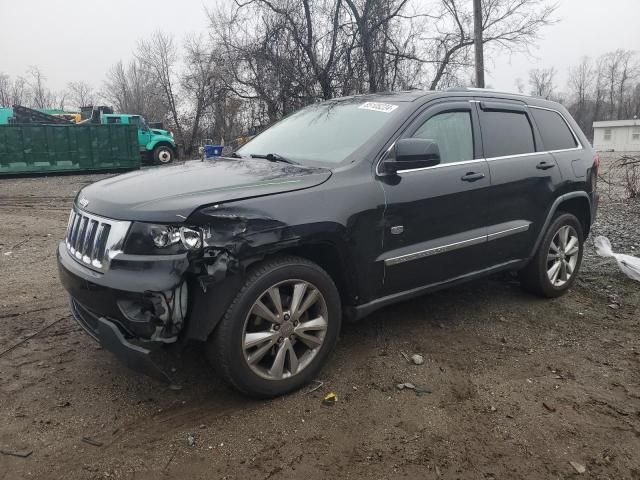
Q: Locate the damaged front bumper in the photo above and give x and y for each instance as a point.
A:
(136, 306)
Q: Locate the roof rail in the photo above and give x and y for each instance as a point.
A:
(476, 89)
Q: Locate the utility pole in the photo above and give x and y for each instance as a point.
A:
(479, 47)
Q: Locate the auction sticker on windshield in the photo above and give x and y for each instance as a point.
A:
(378, 107)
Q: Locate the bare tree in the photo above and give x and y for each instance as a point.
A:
(132, 89)
(510, 25)
(581, 83)
(80, 94)
(40, 95)
(5, 90)
(541, 82)
(629, 69)
(159, 55)
(200, 84)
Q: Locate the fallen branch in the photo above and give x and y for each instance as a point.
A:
(320, 384)
(24, 454)
(31, 336)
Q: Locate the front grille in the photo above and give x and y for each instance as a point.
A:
(91, 240)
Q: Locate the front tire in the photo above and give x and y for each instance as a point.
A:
(554, 268)
(279, 330)
(163, 154)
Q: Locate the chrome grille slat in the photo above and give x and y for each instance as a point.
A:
(94, 241)
(80, 234)
(88, 240)
(74, 233)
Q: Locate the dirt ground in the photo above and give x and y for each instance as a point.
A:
(512, 386)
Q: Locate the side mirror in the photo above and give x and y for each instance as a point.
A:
(412, 153)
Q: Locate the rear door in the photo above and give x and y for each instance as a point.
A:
(524, 178)
(559, 139)
(435, 217)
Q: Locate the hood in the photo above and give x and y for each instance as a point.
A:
(171, 194)
(159, 131)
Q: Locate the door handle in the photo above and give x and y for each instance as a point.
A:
(472, 177)
(545, 165)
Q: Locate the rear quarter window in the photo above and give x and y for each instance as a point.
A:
(506, 133)
(555, 133)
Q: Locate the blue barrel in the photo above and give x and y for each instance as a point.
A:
(212, 151)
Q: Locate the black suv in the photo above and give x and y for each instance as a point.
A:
(341, 208)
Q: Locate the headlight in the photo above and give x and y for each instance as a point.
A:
(150, 239)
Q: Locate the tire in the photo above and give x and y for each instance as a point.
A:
(163, 155)
(228, 351)
(538, 276)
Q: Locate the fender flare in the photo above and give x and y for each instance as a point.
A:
(554, 207)
(154, 143)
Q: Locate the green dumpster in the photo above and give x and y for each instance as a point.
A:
(67, 148)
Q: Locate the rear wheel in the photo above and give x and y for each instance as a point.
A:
(554, 268)
(279, 330)
(163, 154)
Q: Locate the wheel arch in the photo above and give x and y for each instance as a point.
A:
(332, 260)
(208, 305)
(576, 203)
(160, 143)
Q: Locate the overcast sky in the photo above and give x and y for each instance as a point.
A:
(80, 39)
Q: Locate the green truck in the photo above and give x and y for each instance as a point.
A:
(155, 144)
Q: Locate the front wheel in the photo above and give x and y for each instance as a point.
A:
(163, 154)
(279, 330)
(555, 266)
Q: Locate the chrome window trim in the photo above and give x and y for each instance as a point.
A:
(455, 246)
(564, 119)
(489, 159)
(442, 165)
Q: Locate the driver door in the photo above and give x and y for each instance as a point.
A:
(144, 132)
(436, 217)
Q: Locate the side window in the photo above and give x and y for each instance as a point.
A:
(453, 133)
(506, 133)
(635, 134)
(607, 134)
(555, 132)
(113, 119)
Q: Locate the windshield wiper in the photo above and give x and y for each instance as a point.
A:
(273, 157)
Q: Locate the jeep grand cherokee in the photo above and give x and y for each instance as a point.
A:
(341, 208)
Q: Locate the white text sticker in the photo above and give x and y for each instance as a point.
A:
(378, 107)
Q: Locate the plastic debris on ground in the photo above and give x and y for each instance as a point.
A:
(629, 265)
(330, 399)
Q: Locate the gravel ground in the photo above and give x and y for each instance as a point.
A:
(512, 386)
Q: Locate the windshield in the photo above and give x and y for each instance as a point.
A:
(325, 133)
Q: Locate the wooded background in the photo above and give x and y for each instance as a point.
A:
(262, 59)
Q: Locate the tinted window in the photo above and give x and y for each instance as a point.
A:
(113, 119)
(452, 132)
(554, 130)
(506, 133)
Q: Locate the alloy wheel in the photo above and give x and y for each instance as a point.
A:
(563, 256)
(285, 329)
